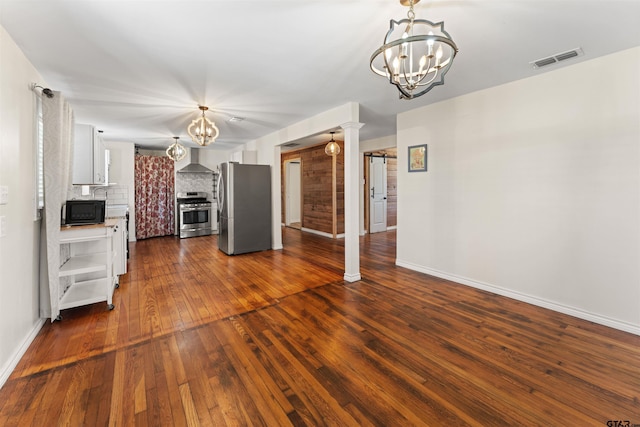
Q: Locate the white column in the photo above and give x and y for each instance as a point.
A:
(361, 191)
(276, 203)
(351, 201)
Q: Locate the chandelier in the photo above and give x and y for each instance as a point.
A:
(416, 54)
(176, 151)
(202, 130)
(332, 148)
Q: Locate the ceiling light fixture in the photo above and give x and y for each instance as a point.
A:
(202, 130)
(416, 54)
(176, 151)
(332, 148)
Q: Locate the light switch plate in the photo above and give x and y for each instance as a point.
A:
(4, 194)
(3, 226)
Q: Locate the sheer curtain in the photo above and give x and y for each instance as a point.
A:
(155, 207)
(57, 123)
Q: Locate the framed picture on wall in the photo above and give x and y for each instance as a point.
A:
(418, 158)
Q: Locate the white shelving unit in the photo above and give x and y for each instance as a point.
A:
(90, 268)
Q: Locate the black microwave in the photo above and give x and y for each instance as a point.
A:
(78, 212)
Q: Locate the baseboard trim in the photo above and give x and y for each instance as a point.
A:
(540, 302)
(8, 368)
(321, 233)
(352, 277)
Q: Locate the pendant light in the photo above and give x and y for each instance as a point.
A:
(202, 130)
(332, 148)
(176, 151)
(416, 54)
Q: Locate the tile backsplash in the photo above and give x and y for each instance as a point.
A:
(113, 194)
(204, 182)
(119, 194)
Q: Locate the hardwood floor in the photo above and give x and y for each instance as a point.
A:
(277, 338)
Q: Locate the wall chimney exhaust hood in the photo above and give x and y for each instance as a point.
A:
(194, 166)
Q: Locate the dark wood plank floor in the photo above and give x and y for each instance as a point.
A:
(277, 338)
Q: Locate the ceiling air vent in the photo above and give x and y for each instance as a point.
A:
(291, 144)
(558, 57)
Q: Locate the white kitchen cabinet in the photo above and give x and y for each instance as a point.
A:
(120, 248)
(89, 162)
(88, 275)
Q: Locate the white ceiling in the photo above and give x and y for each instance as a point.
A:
(139, 69)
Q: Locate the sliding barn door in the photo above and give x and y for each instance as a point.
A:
(378, 194)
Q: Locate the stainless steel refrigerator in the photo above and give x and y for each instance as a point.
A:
(244, 205)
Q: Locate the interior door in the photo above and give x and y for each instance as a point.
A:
(378, 194)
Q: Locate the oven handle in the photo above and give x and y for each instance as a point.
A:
(204, 208)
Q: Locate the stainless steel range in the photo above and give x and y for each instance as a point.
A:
(194, 214)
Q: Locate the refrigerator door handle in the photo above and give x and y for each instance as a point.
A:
(220, 193)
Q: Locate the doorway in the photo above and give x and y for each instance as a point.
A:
(293, 193)
(380, 190)
(378, 194)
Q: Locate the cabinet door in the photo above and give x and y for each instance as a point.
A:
(99, 160)
(89, 165)
(120, 248)
(83, 154)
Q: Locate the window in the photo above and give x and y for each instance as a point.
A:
(39, 160)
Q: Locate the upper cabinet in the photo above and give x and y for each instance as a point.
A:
(89, 162)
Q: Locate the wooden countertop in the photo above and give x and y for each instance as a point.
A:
(109, 222)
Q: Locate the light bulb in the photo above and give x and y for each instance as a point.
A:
(423, 62)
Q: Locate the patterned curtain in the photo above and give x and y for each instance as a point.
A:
(155, 211)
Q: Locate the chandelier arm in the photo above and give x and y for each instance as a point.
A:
(412, 83)
(442, 65)
(408, 80)
(435, 74)
(410, 39)
(427, 70)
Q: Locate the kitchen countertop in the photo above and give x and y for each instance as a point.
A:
(110, 222)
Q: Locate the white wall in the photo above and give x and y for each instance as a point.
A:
(533, 190)
(213, 158)
(19, 288)
(378, 143)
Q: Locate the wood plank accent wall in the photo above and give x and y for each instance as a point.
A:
(315, 169)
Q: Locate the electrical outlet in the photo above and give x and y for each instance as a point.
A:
(4, 194)
(3, 226)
